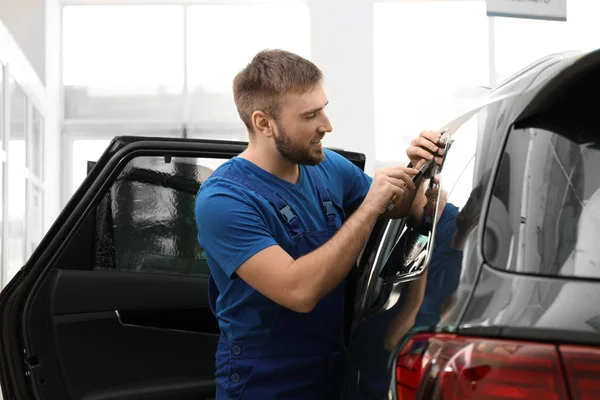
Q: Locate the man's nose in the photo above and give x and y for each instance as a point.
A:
(325, 125)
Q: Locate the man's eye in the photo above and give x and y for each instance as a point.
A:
(311, 116)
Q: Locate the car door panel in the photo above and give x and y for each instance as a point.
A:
(89, 291)
(156, 390)
(111, 330)
(141, 358)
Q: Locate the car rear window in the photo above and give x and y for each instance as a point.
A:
(544, 214)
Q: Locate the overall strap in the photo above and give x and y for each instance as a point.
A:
(326, 202)
(284, 210)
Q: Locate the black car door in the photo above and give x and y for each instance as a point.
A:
(113, 303)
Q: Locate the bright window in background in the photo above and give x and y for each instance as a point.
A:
(520, 42)
(17, 181)
(123, 62)
(429, 58)
(2, 100)
(125, 67)
(222, 39)
(35, 227)
(85, 150)
(2, 166)
(36, 160)
(35, 215)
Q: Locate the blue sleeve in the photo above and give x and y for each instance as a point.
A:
(446, 225)
(356, 181)
(230, 229)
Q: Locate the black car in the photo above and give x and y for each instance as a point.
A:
(113, 303)
(524, 321)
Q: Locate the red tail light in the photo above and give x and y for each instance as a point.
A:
(582, 368)
(451, 367)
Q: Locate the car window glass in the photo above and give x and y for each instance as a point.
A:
(146, 221)
(457, 174)
(463, 183)
(458, 170)
(551, 221)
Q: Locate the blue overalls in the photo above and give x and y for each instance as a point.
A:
(304, 354)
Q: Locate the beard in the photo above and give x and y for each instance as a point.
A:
(295, 152)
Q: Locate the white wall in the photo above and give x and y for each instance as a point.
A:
(342, 46)
(52, 131)
(23, 49)
(26, 21)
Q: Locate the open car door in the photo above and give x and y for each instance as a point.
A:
(113, 304)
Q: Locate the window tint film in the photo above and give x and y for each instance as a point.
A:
(544, 216)
(465, 175)
(146, 221)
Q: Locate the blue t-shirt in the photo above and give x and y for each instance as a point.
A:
(234, 223)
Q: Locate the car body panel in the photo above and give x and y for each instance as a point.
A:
(505, 299)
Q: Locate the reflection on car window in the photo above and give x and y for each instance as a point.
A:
(551, 221)
(464, 186)
(458, 171)
(146, 221)
(458, 216)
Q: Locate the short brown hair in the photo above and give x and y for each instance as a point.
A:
(270, 75)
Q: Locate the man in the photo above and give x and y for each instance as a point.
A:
(282, 225)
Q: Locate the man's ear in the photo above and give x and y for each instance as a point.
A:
(262, 124)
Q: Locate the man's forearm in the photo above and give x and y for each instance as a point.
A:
(320, 271)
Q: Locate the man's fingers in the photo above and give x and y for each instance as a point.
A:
(397, 197)
(393, 171)
(404, 174)
(418, 152)
(433, 136)
(405, 181)
(420, 163)
(426, 144)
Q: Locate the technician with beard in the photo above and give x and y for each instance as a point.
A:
(282, 224)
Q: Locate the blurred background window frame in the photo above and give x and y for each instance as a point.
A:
(183, 104)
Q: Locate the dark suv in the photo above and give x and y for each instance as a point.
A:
(113, 303)
(524, 321)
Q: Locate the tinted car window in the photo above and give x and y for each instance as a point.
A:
(544, 215)
(146, 221)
